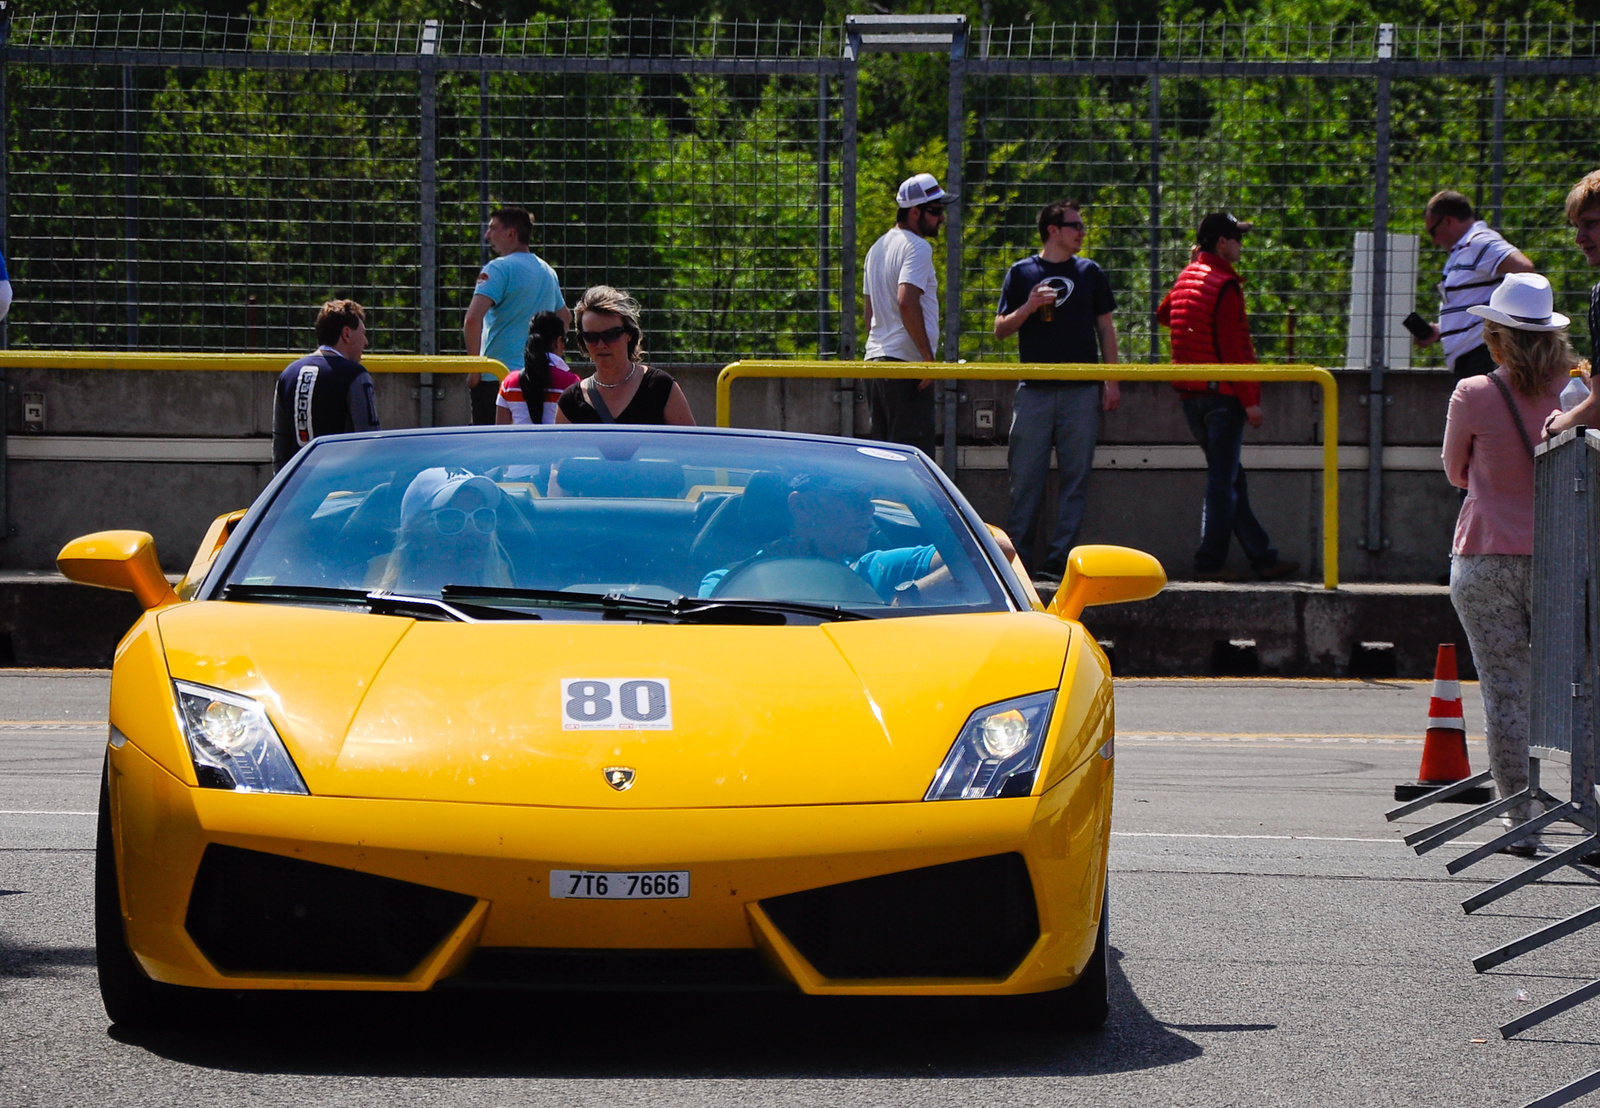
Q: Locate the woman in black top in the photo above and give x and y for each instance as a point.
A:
(622, 390)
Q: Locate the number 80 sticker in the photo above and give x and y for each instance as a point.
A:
(616, 704)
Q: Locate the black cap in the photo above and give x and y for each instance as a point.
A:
(1220, 225)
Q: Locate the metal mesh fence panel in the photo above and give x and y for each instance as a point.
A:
(220, 196)
(202, 182)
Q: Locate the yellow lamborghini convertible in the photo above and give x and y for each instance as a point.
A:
(588, 708)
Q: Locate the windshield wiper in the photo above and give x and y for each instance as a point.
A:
(377, 602)
(679, 609)
(314, 593)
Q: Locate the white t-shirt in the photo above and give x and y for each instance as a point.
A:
(900, 258)
(1469, 279)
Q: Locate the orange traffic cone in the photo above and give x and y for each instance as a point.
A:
(1444, 750)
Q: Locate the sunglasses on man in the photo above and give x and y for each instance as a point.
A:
(609, 335)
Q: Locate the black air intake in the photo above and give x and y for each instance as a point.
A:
(251, 912)
(964, 919)
(616, 970)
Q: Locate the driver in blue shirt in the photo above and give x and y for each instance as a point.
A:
(833, 520)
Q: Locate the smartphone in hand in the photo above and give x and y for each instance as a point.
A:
(1420, 328)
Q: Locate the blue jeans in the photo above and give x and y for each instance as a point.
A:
(1218, 425)
(1066, 417)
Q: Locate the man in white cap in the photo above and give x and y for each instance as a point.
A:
(901, 301)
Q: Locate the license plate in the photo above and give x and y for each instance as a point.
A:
(577, 884)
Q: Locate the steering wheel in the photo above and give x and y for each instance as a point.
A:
(809, 580)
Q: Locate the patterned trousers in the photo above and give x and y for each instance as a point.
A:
(1492, 594)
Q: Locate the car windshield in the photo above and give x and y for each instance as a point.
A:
(654, 520)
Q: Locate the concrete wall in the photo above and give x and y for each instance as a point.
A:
(167, 452)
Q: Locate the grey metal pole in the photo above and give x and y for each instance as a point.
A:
(824, 203)
(483, 164)
(1497, 179)
(849, 278)
(1380, 297)
(956, 134)
(428, 276)
(1155, 216)
(130, 208)
(5, 334)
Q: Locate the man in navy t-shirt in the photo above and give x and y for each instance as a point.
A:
(1059, 306)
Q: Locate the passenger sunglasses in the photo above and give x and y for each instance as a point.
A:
(453, 521)
(610, 334)
(1076, 225)
(934, 209)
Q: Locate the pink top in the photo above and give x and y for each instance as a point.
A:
(1484, 455)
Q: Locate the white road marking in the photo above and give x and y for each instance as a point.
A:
(1263, 737)
(1281, 838)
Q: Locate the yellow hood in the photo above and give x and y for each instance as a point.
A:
(374, 706)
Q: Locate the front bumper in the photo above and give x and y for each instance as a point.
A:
(500, 857)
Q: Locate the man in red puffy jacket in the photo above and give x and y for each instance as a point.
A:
(1205, 312)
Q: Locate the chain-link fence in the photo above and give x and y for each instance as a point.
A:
(192, 182)
(184, 182)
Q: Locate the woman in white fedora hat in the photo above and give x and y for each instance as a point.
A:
(1488, 450)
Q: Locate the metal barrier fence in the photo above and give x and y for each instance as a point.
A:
(1565, 625)
(202, 182)
(1011, 371)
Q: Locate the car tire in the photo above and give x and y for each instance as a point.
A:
(1084, 1004)
(131, 999)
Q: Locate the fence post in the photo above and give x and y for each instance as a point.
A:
(1155, 216)
(428, 170)
(1497, 171)
(849, 279)
(483, 165)
(130, 207)
(1380, 294)
(952, 265)
(5, 247)
(824, 215)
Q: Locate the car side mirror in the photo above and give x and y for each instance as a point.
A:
(217, 536)
(123, 560)
(1106, 575)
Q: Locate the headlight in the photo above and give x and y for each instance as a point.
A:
(997, 753)
(233, 743)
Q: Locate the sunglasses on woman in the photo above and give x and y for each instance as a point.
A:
(609, 335)
(453, 521)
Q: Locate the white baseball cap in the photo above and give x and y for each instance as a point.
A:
(436, 487)
(921, 189)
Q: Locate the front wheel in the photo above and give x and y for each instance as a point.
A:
(131, 999)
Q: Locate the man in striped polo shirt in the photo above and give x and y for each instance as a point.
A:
(1479, 258)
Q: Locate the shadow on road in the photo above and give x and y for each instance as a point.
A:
(30, 961)
(567, 1035)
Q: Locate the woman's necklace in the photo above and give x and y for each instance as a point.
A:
(617, 384)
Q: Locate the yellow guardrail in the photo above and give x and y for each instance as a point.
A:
(1122, 371)
(255, 363)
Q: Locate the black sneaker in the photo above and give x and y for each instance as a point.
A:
(1277, 570)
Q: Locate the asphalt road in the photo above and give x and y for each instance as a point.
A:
(1273, 941)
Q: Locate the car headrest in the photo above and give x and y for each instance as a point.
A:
(764, 508)
(644, 477)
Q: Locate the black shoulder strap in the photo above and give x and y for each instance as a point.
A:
(1511, 406)
(596, 401)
